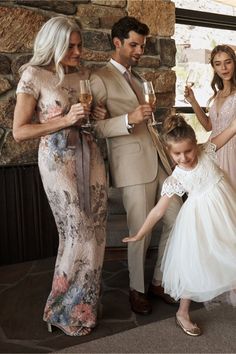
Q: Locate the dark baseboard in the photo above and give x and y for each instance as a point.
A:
(120, 253)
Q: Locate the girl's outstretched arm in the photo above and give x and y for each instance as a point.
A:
(153, 217)
(222, 138)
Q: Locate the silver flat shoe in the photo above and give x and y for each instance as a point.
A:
(71, 331)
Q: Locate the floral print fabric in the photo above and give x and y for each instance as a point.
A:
(74, 297)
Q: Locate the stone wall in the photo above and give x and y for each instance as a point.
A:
(20, 21)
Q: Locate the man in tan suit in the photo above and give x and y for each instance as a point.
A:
(137, 161)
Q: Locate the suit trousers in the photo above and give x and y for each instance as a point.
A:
(138, 200)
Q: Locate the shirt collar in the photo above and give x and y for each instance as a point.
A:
(118, 66)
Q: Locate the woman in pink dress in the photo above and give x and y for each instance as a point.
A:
(223, 108)
(71, 168)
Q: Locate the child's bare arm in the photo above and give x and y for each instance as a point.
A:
(153, 217)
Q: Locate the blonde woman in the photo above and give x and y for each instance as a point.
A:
(71, 168)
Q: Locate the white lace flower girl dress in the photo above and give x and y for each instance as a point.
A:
(199, 262)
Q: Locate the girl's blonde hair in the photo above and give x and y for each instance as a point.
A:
(175, 129)
(52, 43)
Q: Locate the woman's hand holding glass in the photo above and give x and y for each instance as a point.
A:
(76, 115)
(189, 83)
(188, 94)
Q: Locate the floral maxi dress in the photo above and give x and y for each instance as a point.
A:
(74, 297)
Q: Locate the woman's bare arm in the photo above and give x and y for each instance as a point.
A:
(25, 129)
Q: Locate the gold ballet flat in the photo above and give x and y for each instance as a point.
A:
(194, 331)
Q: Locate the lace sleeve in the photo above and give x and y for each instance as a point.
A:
(210, 149)
(27, 83)
(172, 186)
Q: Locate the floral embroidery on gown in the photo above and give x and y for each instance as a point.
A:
(227, 154)
(74, 297)
(199, 261)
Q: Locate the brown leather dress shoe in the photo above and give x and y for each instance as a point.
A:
(139, 303)
(158, 291)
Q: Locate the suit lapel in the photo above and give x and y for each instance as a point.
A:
(122, 82)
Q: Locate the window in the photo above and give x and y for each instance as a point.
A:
(222, 7)
(194, 45)
(196, 34)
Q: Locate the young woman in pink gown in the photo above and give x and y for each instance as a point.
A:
(71, 168)
(223, 108)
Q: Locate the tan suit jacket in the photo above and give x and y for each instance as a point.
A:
(134, 166)
(132, 156)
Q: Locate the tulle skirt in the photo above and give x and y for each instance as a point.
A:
(199, 261)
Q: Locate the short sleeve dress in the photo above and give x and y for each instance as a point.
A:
(74, 296)
(199, 261)
(220, 120)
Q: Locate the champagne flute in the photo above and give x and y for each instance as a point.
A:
(149, 97)
(85, 97)
(191, 79)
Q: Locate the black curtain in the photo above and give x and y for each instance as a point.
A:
(27, 227)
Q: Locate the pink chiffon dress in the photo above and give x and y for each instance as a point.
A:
(220, 120)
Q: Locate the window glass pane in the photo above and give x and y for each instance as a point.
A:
(201, 134)
(223, 7)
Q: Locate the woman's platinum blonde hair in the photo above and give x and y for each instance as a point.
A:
(52, 43)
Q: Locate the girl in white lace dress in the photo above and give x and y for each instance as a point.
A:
(199, 262)
(223, 108)
(72, 171)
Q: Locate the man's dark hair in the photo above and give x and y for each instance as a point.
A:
(126, 24)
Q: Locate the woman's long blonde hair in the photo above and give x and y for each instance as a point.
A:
(52, 43)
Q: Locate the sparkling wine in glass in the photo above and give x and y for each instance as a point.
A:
(85, 96)
(191, 79)
(149, 97)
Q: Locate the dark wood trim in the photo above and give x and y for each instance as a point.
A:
(205, 19)
(120, 253)
(186, 109)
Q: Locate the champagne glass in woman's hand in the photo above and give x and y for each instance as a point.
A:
(85, 97)
(149, 97)
(190, 80)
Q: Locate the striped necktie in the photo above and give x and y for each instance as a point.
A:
(137, 90)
